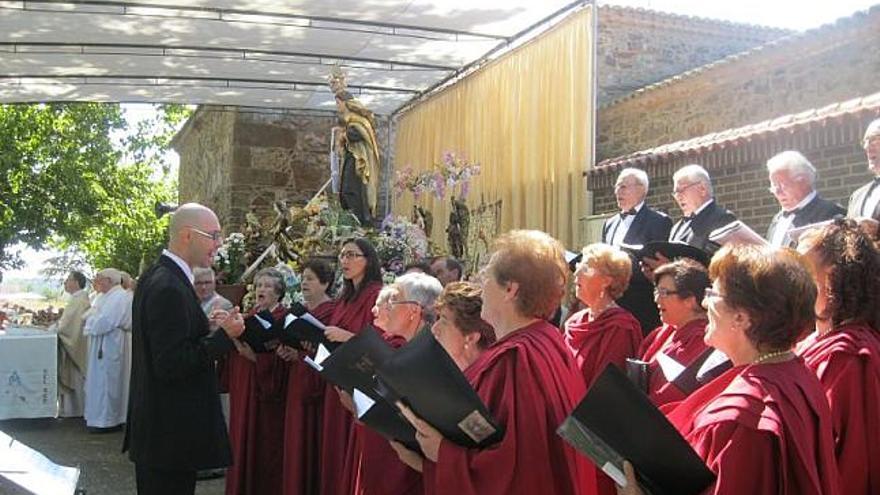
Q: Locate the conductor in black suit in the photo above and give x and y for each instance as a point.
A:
(793, 184)
(175, 425)
(692, 190)
(636, 223)
(865, 201)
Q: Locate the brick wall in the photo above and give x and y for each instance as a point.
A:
(830, 64)
(739, 174)
(638, 47)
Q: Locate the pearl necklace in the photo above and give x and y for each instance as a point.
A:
(770, 355)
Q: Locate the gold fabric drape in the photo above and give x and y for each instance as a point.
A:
(526, 119)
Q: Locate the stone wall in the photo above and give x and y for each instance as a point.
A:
(205, 148)
(739, 174)
(638, 47)
(238, 160)
(809, 70)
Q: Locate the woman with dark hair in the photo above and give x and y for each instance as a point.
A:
(528, 380)
(459, 327)
(678, 291)
(764, 425)
(305, 390)
(362, 281)
(844, 351)
(257, 398)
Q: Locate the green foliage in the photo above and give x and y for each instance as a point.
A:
(73, 186)
(52, 160)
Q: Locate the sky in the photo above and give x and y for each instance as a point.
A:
(790, 14)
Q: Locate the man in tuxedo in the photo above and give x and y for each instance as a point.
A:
(175, 425)
(865, 201)
(636, 223)
(793, 184)
(692, 190)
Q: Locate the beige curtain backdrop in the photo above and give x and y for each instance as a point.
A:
(526, 119)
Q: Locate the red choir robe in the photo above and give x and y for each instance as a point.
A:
(302, 421)
(375, 466)
(681, 344)
(256, 421)
(530, 383)
(762, 429)
(336, 420)
(847, 363)
(611, 338)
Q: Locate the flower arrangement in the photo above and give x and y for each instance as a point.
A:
(453, 171)
(399, 242)
(230, 259)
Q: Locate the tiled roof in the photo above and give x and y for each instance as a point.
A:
(730, 137)
(785, 41)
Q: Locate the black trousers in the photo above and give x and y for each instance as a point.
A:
(152, 481)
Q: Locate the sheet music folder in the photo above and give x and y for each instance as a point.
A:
(616, 421)
(352, 366)
(672, 250)
(423, 376)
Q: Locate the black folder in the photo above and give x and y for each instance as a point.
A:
(353, 366)
(616, 421)
(423, 376)
(672, 250)
(301, 328)
(689, 380)
(261, 332)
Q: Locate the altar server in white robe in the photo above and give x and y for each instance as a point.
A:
(72, 348)
(106, 325)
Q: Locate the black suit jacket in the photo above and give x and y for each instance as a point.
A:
(697, 233)
(817, 210)
(854, 209)
(648, 225)
(174, 417)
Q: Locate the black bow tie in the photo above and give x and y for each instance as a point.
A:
(688, 218)
(631, 211)
(786, 214)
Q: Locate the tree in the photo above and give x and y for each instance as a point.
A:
(75, 187)
(52, 160)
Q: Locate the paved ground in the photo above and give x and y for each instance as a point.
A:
(105, 470)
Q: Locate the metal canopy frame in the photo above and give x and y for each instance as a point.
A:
(253, 53)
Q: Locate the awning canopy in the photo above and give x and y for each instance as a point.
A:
(259, 53)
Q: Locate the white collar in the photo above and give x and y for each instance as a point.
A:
(639, 206)
(182, 264)
(804, 202)
(703, 206)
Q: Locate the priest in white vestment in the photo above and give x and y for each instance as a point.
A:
(72, 348)
(106, 326)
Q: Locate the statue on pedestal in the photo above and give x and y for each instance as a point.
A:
(358, 150)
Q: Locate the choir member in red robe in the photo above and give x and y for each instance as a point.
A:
(305, 391)
(844, 351)
(376, 466)
(362, 281)
(678, 292)
(528, 379)
(763, 427)
(257, 389)
(603, 332)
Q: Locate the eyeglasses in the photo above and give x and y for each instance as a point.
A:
(662, 292)
(350, 255)
(681, 190)
(214, 236)
(711, 293)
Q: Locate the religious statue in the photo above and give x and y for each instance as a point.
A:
(424, 219)
(457, 231)
(358, 149)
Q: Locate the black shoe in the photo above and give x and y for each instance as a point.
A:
(110, 429)
(210, 474)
